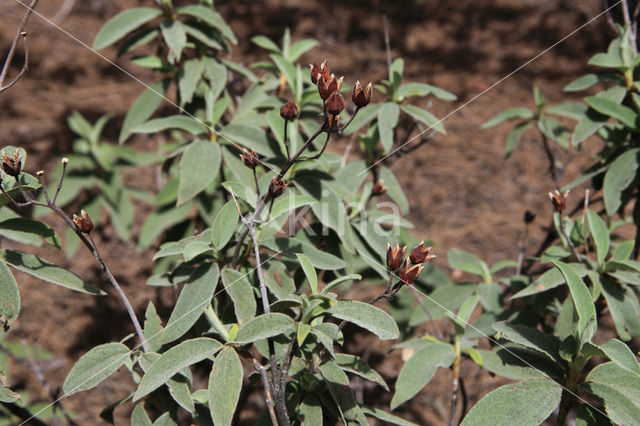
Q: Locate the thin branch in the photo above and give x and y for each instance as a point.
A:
(12, 49)
(23, 414)
(275, 370)
(25, 66)
(65, 160)
(267, 391)
(551, 157)
(89, 244)
(454, 388)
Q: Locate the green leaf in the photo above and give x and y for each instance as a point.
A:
(263, 327)
(364, 117)
(143, 108)
(225, 384)
(46, 271)
(419, 370)
(265, 43)
(250, 137)
(424, 116)
(9, 295)
(621, 173)
(217, 75)
(386, 417)
(194, 298)
(600, 235)
(394, 190)
(514, 137)
(181, 393)
(356, 365)
(621, 355)
(309, 271)
(123, 23)
(582, 83)
(95, 366)
(139, 416)
(387, 121)
(366, 316)
(590, 123)
(613, 109)
(287, 69)
(529, 403)
(176, 38)
(240, 291)
(175, 359)
(291, 246)
(199, 166)
(211, 17)
(31, 226)
(188, 79)
(624, 307)
(509, 114)
(339, 281)
(573, 110)
(580, 294)
(468, 262)
(422, 89)
(180, 122)
(300, 47)
(338, 384)
(158, 221)
(620, 409)
(618, 389)
(224, 225)
(302, 333)
(310, 411)
(531, 338)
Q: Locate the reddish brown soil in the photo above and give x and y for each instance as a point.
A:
(462, 193)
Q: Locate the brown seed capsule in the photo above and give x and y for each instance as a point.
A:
(409, 274)
(325, 71)
(83, 223)
(361, 97)
(12, 166)
(328, 85)
(289, 111)
(315, 72)
(249, 158)
(276, 187)
(421, 254)
(395, 256)
(559, 200)
(379, 188)
(335, 103)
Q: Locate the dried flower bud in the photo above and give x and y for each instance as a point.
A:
(12, 166)
(395, 256)
(328, 85)
(276, 187)
(83, 223)
(421, 254)
(40, 173)
(409, 274)
(249, 158)
(289, 111)
(335, 103)
(315, 72)
(325, 71)
(559, 200)
(379, 188)
(361, 97)
(64, 160)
